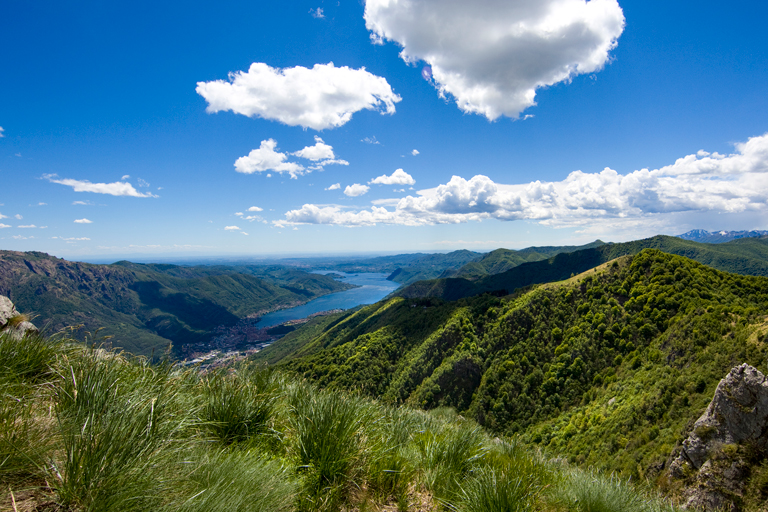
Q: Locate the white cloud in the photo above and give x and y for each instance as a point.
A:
(399, 177)
(415, 152)
(83, 203)
(267, 159)
(18, 216)
(318, 98)
(356, 189)
(114, 189)
(370, 140)
(125, 177)
(28, 226)
(255, 209)
(3, 216)
(335, 186)
(143, 183)
(736, 184)
(3, 226)
(83, 221)
(72, 239)
(1, 132)
(320, 151)
(492, 55)
(317, 13)
(232, 228)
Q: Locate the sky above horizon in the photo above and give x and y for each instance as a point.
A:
(169, 129)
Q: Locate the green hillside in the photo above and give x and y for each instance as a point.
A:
(501, 260)
(744, 256)
(146, 307)
(606, 368)
(86, 430)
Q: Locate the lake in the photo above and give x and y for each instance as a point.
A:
(372, 288)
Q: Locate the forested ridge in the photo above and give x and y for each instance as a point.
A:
(747, 256)
(607, 367)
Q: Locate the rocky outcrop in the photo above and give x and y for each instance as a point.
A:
(712, 463)
(12, 321)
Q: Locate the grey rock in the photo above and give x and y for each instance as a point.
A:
(710, 461)
(7, 310)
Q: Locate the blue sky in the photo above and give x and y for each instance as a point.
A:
(179, 129)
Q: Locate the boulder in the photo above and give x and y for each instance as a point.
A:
(9, 320)
(7, 310)
(712, 460)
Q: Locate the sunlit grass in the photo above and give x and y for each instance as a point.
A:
(96, 431)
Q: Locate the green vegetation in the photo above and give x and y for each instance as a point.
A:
(144, 308)
(748, 256)
(295, 339)
(606, 368)
(501, 260)
(90, 430)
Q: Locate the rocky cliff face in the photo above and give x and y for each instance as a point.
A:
(12, 321)
(715, 460)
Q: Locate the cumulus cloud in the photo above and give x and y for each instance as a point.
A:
(317, 13)
(3, 216)
(83, 203)
(28, 226)
(319, 98)
(335, 186)
(83, 221)
(356, 189)
(3, 226)
(267, 159)
(321, 153)
(415, 152)
(736, 183)
(18, 216)
(255, 209)
(117, 188)
(1, 132)
(491, 56)
(125, 177)
(370, 140)
(399, 177)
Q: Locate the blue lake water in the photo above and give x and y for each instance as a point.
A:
(372, 288)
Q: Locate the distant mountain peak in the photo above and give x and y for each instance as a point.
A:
(718, 237)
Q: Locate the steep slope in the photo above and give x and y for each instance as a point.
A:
(606, 367)
(747, 256)
(144, 307)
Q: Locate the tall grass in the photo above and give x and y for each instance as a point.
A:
(237, 481)
(327, 430)
(446, 454)
(238, 407)
(588, 491)
(117, 422)
(104, 432)
(28, 359)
